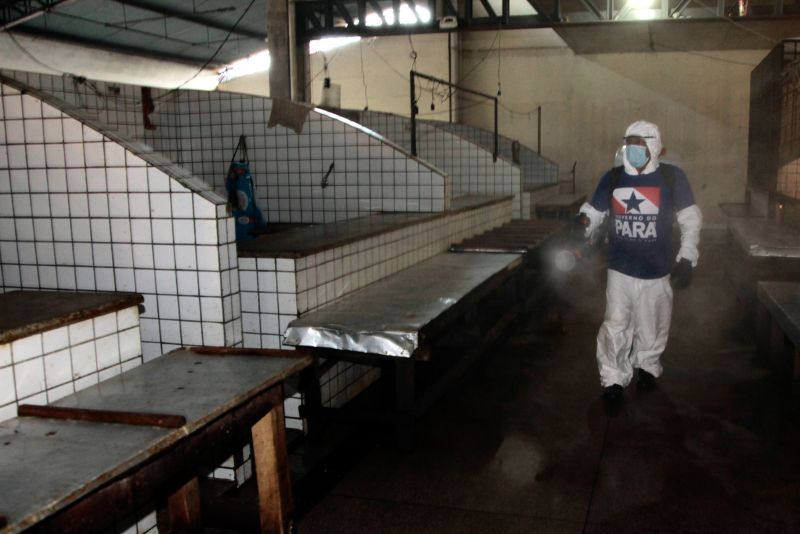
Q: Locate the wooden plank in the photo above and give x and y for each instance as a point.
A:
(184, 508)
(299, 352)
(102, 416)
(272, 470)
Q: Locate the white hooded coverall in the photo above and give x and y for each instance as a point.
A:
(638, 303)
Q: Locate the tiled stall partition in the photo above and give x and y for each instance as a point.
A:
(275, 291)
(83, 208)
(332, 170)
(471, 167)
(47, 366)
(536, 169)
(116, 106)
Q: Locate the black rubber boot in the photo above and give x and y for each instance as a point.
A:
(645, 381)
(613, 399)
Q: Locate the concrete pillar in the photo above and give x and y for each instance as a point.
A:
(302, 88)
(280, 41)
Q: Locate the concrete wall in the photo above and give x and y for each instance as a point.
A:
(387, 62)
(700, 101)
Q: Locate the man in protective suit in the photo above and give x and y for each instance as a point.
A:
(641, 197)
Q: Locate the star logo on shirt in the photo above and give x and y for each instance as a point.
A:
(632, 203)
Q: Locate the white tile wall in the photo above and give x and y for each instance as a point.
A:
(108, 218)
(200, 130)
(45, 367)
(470, 166)
(536, 169)
(288, 169)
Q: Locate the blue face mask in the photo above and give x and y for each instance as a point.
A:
(637, 155)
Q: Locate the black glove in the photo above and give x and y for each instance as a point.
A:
(581, 221)
(681, 275)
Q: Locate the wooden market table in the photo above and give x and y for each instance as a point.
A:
(95, 456)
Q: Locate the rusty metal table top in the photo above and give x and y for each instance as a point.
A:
(24, 313)
(48, 464)
(765, 238)
(387, 317)
(516, 236)
(782, 299)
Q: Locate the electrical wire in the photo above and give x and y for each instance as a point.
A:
(320, 71)
(386, 62)
(471, 105)
(486, 55)
(363, 76)
(478, 64)
(31, 56)
(208, 62)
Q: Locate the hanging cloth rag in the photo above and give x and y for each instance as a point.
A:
(241, 194)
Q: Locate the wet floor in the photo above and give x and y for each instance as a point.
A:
(523, 445)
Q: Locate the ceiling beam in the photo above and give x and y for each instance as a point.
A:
(592, 9)
(15, 13)
(343, 12)
(489, 10)
(105, 45)
(542, 14)
(192, 17)
(678, 10)
(377, 9)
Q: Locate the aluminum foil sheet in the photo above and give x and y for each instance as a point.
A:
(388, 316)
(765, 238)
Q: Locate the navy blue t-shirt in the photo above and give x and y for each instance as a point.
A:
(640, 236)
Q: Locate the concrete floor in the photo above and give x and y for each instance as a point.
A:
(522, 443)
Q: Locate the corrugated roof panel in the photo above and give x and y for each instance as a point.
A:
(117, 24)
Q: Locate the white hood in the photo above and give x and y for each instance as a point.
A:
(652, 137)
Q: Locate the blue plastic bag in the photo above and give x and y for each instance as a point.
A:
(241, 196)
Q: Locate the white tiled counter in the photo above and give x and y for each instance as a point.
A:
(283, 276)
(53, 343)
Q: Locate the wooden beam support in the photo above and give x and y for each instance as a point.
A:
(272, 472)
(185, 513)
